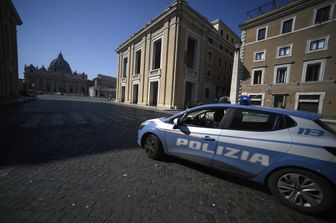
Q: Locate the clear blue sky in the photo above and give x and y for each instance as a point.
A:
(88, 31)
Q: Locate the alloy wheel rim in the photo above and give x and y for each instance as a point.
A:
(149, 146)
(300, 190)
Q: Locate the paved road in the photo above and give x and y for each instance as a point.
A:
(68, 161)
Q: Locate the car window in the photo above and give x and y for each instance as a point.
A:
(206, 118)
(247, 120)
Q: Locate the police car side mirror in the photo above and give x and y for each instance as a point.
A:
(176, 122)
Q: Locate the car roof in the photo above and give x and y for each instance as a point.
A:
(294, 113)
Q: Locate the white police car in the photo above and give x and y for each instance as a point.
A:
(292, 152)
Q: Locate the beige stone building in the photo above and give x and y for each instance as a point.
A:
(177, 59)
(103, 86)
(57, 79)
(9, 19)
(289, 55)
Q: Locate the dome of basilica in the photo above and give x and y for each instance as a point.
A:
(59, 65)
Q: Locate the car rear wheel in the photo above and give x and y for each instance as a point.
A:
(302, 190)
(153, 147)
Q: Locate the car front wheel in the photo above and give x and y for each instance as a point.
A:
(302, 190)
(153, 147)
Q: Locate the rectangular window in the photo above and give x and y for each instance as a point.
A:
(287, 26)
(156, 55)
(207, 93)
(191, 53)
(309, 103)
(313, 71)
(137, 61)
(281, 75)
(257, 76)
(256, 99)
(317, 44)
(279, 101)
(284, 51)
(322, 14)
(220, 63)
(124, 71)
(259, 56)
(261, 34)
(211, 40)
(208, 73)
(209, 58)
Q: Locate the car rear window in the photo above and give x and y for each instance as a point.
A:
(250, 120)
(325, 126)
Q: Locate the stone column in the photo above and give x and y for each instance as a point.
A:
(117, 96)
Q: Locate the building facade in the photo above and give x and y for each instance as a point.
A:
(9, 19)
(177, 59)
(58, 78)
(103, 86)
(289, 57)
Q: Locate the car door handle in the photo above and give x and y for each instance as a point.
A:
(208, 138)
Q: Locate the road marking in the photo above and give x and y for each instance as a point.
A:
(57, 119)
(78, 118)
(33, 121)
(94, 117)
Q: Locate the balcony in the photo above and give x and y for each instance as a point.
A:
(191, 73)
(155, 73)
(123, 80)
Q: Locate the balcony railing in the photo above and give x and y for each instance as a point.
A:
(156, 72)
(265, 8)
(136, 76)
(123, 79)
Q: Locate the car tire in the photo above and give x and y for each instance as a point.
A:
(302, 190)
(153, 147)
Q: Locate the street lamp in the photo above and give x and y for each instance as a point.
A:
(234, 90)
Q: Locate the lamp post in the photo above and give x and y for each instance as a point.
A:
(234, 90)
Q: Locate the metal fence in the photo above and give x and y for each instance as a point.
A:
(274, 4)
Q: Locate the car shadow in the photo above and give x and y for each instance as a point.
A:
(329, 216)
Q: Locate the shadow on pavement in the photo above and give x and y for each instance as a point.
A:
(329, 216)
(45, 142)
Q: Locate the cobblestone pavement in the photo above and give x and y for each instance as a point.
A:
(67, 161)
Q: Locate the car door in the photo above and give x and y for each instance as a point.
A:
(196, 137)
(251, 141)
